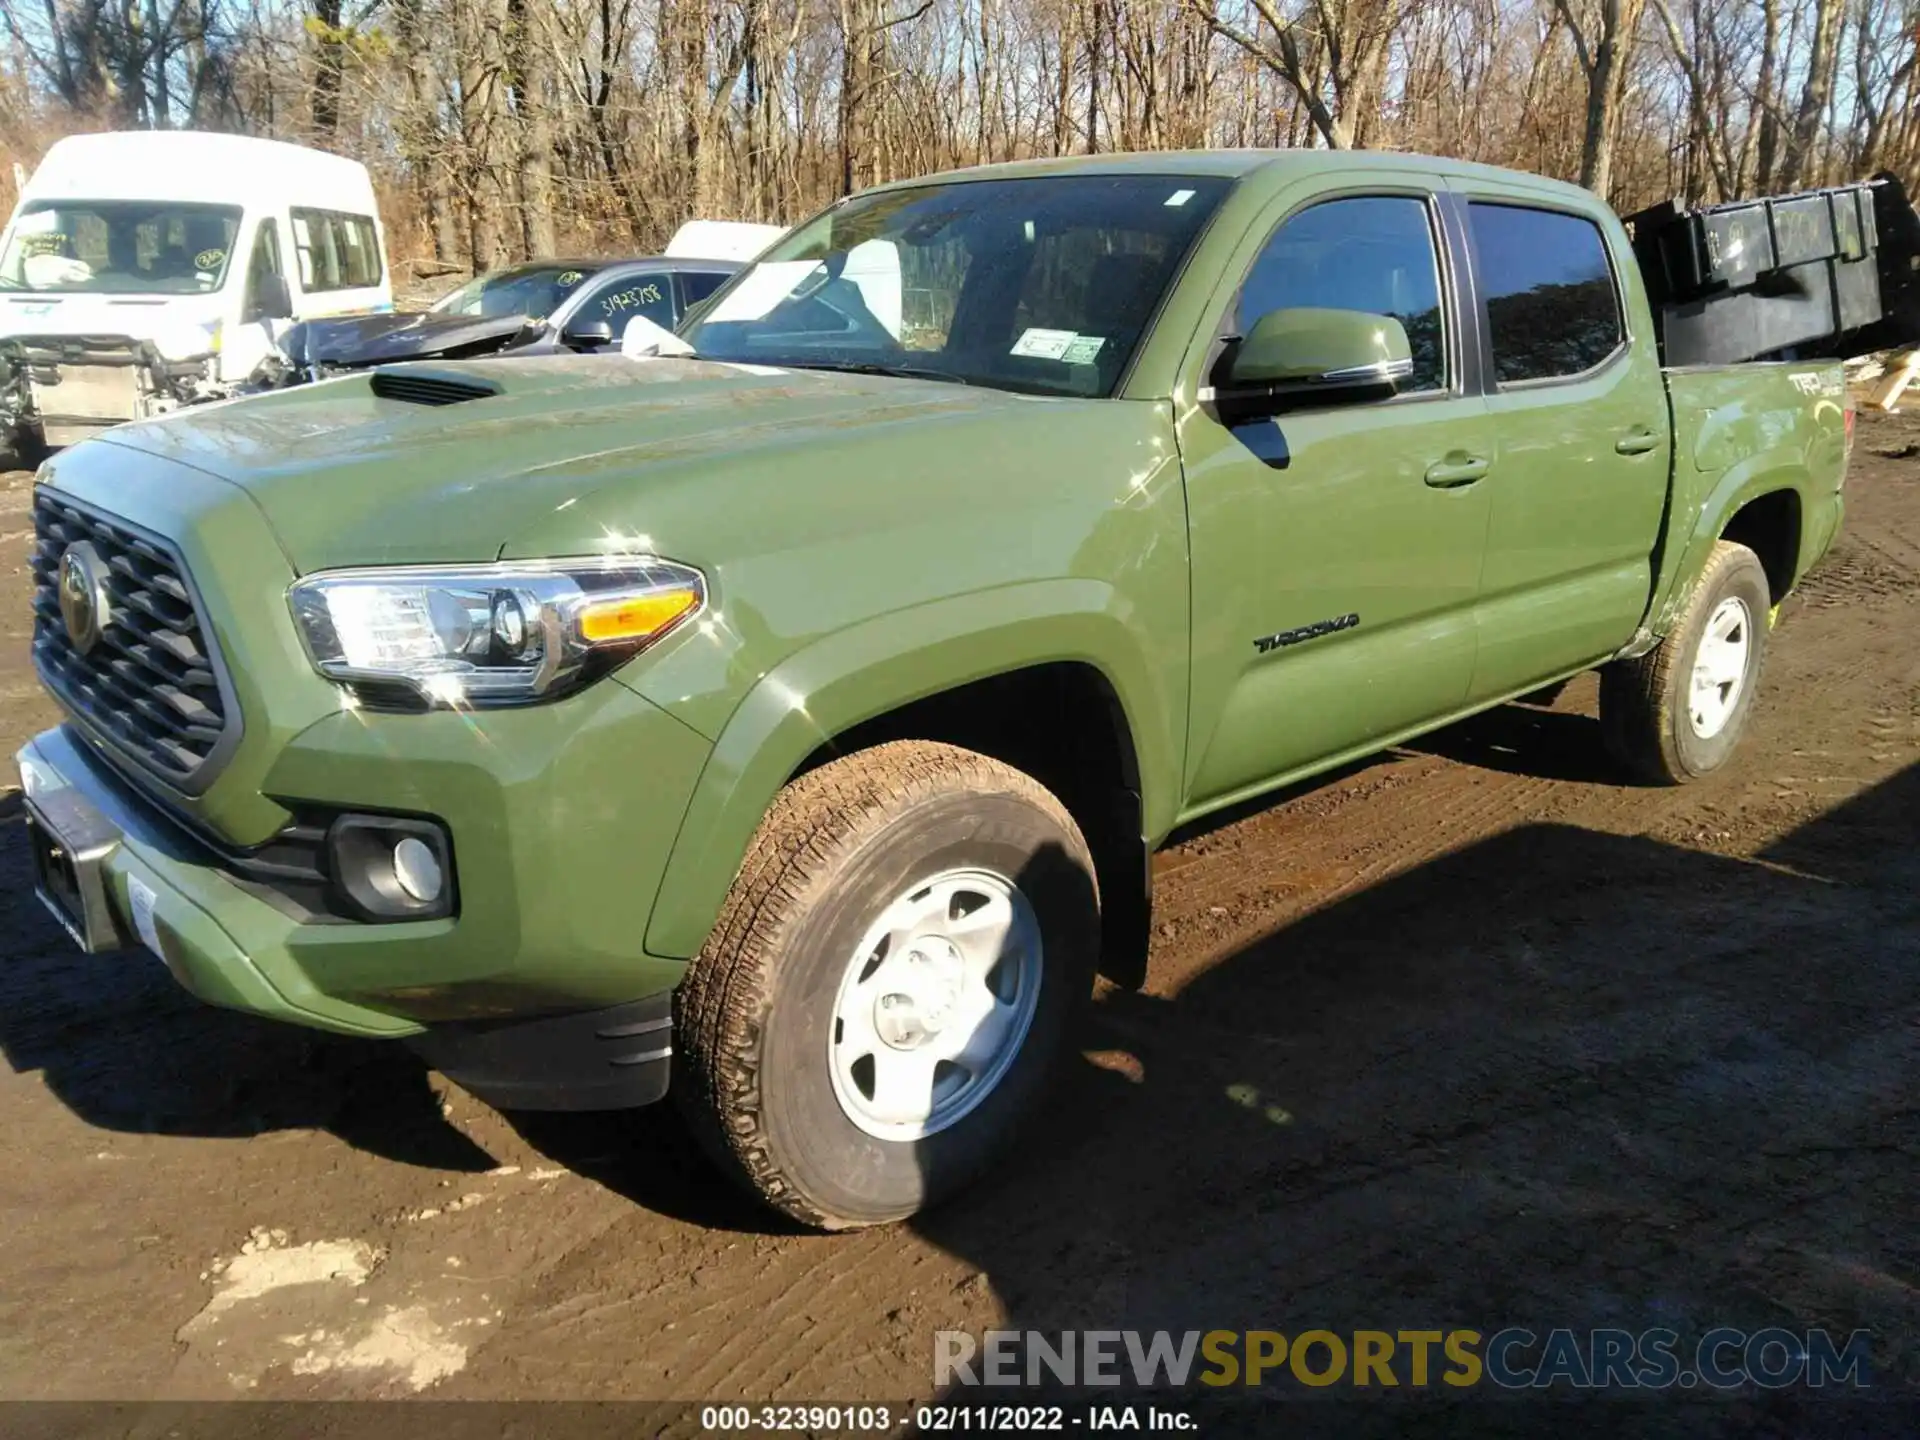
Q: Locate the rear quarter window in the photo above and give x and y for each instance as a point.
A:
(1552, 307)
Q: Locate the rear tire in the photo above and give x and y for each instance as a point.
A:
(1677, 712)
(888, 983)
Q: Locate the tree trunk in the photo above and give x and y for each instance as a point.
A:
(329, 65)
(1813, 94)
(536, 129)
(862, 57)
(483, 124)
(1766, 95)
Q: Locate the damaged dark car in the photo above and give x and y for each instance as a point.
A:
(542, 307)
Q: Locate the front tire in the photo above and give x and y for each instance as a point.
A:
(1677, 712)
(888, 983)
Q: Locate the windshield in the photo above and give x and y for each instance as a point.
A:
(535, 291)
(119, 246)
(1040, 285)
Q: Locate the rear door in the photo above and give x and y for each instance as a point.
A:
(1582, 434)
(1336, 545)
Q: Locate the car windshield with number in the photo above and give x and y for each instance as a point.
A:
(1037, 285)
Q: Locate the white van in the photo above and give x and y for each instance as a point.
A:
(147, 269)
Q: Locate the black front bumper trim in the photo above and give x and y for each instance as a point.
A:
(612, 1059)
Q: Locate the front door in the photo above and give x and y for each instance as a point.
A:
(264, 311)
(1337, 547)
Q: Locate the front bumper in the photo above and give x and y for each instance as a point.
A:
(561, 826)
(124, 875)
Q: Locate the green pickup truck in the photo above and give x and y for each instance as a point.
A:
(796, 717)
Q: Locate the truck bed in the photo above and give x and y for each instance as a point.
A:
(1734, 424)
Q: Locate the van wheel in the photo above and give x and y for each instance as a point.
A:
(1677, 712)
(888, 982)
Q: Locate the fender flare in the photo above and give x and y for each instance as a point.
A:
(1732, 491)
(878, 665)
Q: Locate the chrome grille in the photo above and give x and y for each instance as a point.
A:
(150, 685)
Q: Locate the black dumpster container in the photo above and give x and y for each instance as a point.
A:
(1825, 273)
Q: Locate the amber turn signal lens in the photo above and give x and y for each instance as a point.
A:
(634, 617)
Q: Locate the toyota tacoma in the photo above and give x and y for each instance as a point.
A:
(792, 720)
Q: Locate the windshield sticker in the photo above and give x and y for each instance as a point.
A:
(1040, 344)
(209, 259)
(1082, 350)
(1179, 197)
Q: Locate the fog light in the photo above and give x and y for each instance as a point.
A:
(417, 870)
(391, 867)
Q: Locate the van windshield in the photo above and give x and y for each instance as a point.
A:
(119, 246)
(1041, 285)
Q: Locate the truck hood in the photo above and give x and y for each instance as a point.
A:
(346, 477)
(179, 326)
(385, 339)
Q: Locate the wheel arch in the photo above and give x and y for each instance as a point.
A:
(1771, 525)
(933, 669)
(1746, 504)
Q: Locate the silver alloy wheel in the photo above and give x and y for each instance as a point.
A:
(1720, 667)
(935, 1004)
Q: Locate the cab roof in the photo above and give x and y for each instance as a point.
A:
(1274, 166)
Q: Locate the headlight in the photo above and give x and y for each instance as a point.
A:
(485, 635)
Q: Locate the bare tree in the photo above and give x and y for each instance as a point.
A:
(501, 128)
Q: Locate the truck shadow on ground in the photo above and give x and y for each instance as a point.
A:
(1525, 739)
(1557, 1078)
(127, 1050)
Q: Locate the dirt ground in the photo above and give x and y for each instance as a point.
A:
(1471, 1035)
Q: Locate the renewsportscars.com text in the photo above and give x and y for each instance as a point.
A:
(1513, 1358)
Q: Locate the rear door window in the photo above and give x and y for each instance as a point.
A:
(1552, 309)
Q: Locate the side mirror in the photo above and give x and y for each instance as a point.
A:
(271, 298)
(1322, 350)
(587, 334)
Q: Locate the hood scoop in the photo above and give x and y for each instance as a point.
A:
(413, 388)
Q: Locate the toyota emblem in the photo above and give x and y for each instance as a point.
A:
(83, 594)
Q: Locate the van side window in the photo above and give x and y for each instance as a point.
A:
(1372, 253)
(336, 251)
(263, 265)
(1551, 305)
